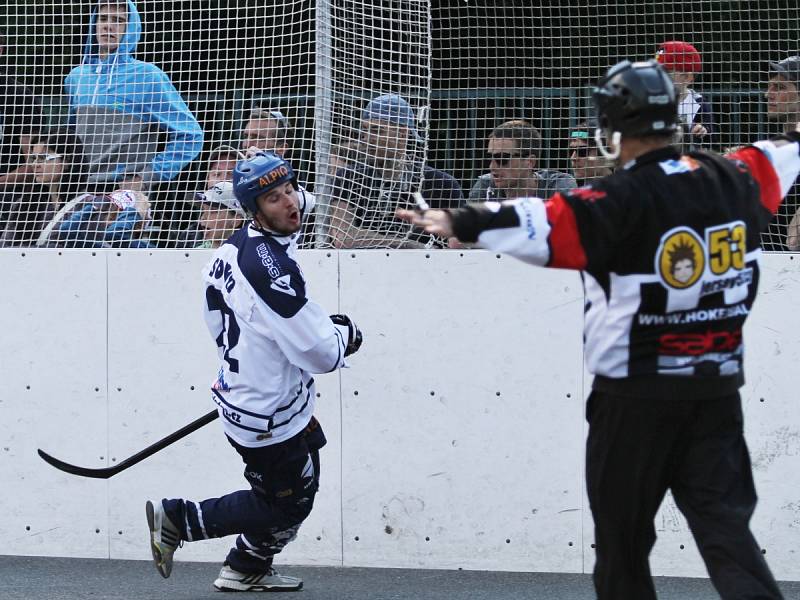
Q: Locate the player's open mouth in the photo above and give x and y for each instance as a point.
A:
(294, 216)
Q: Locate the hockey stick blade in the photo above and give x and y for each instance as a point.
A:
(80, 471)
(105, 473)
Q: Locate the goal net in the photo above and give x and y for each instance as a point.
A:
(122, 121)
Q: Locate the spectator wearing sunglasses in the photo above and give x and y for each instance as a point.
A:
(583, 157)
(59, 167)
(513, 154)
(783, 113)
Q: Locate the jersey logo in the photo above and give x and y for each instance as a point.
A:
(284, 284)
(273, 176)
(268, 260)
(681, 258)
(220, 384)
(698, 344)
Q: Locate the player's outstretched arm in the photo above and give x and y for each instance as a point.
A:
(774, 164)
(437, 222)
(518, 228)
(533, 230)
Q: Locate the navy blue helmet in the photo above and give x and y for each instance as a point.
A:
(261, 173)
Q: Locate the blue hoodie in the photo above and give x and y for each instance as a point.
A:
(120, 106)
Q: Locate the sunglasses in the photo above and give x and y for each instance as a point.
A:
(503, 158)
(37, 158)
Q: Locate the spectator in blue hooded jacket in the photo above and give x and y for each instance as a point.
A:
(121, 106)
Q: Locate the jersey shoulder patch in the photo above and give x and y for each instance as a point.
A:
(684, 164)
(273, 274)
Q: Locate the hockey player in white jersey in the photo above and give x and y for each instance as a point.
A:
(271, 339)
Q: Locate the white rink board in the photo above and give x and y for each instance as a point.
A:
(111, 345)
(463, 445)
(53, 308)
(772, 418)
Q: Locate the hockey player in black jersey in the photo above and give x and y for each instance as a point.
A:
(668, 249)
(271, 338)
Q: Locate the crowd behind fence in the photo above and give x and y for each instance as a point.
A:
(119, 157)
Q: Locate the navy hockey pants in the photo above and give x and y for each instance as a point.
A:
(283, 478)
(637, 449)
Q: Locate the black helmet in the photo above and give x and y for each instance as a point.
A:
(637, 99)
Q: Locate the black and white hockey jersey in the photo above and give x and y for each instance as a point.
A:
(271, 337)
(668, 247)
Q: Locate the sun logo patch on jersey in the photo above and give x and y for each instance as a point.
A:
(681, 258)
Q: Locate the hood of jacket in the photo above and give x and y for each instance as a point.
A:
(127, 45)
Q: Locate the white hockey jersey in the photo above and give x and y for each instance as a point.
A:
(270, 337)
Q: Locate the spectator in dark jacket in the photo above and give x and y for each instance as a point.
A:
(783, 113)
(59, 168)
(386, 175)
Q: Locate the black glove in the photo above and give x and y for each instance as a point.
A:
(354, 338)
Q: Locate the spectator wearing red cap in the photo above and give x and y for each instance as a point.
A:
(683, 62)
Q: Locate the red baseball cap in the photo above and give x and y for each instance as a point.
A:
(679, 56)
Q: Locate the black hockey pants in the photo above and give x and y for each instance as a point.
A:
(640, 447)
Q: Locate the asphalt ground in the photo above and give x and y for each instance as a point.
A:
(23, 578)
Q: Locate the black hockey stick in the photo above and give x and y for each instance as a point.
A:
(136, 458)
